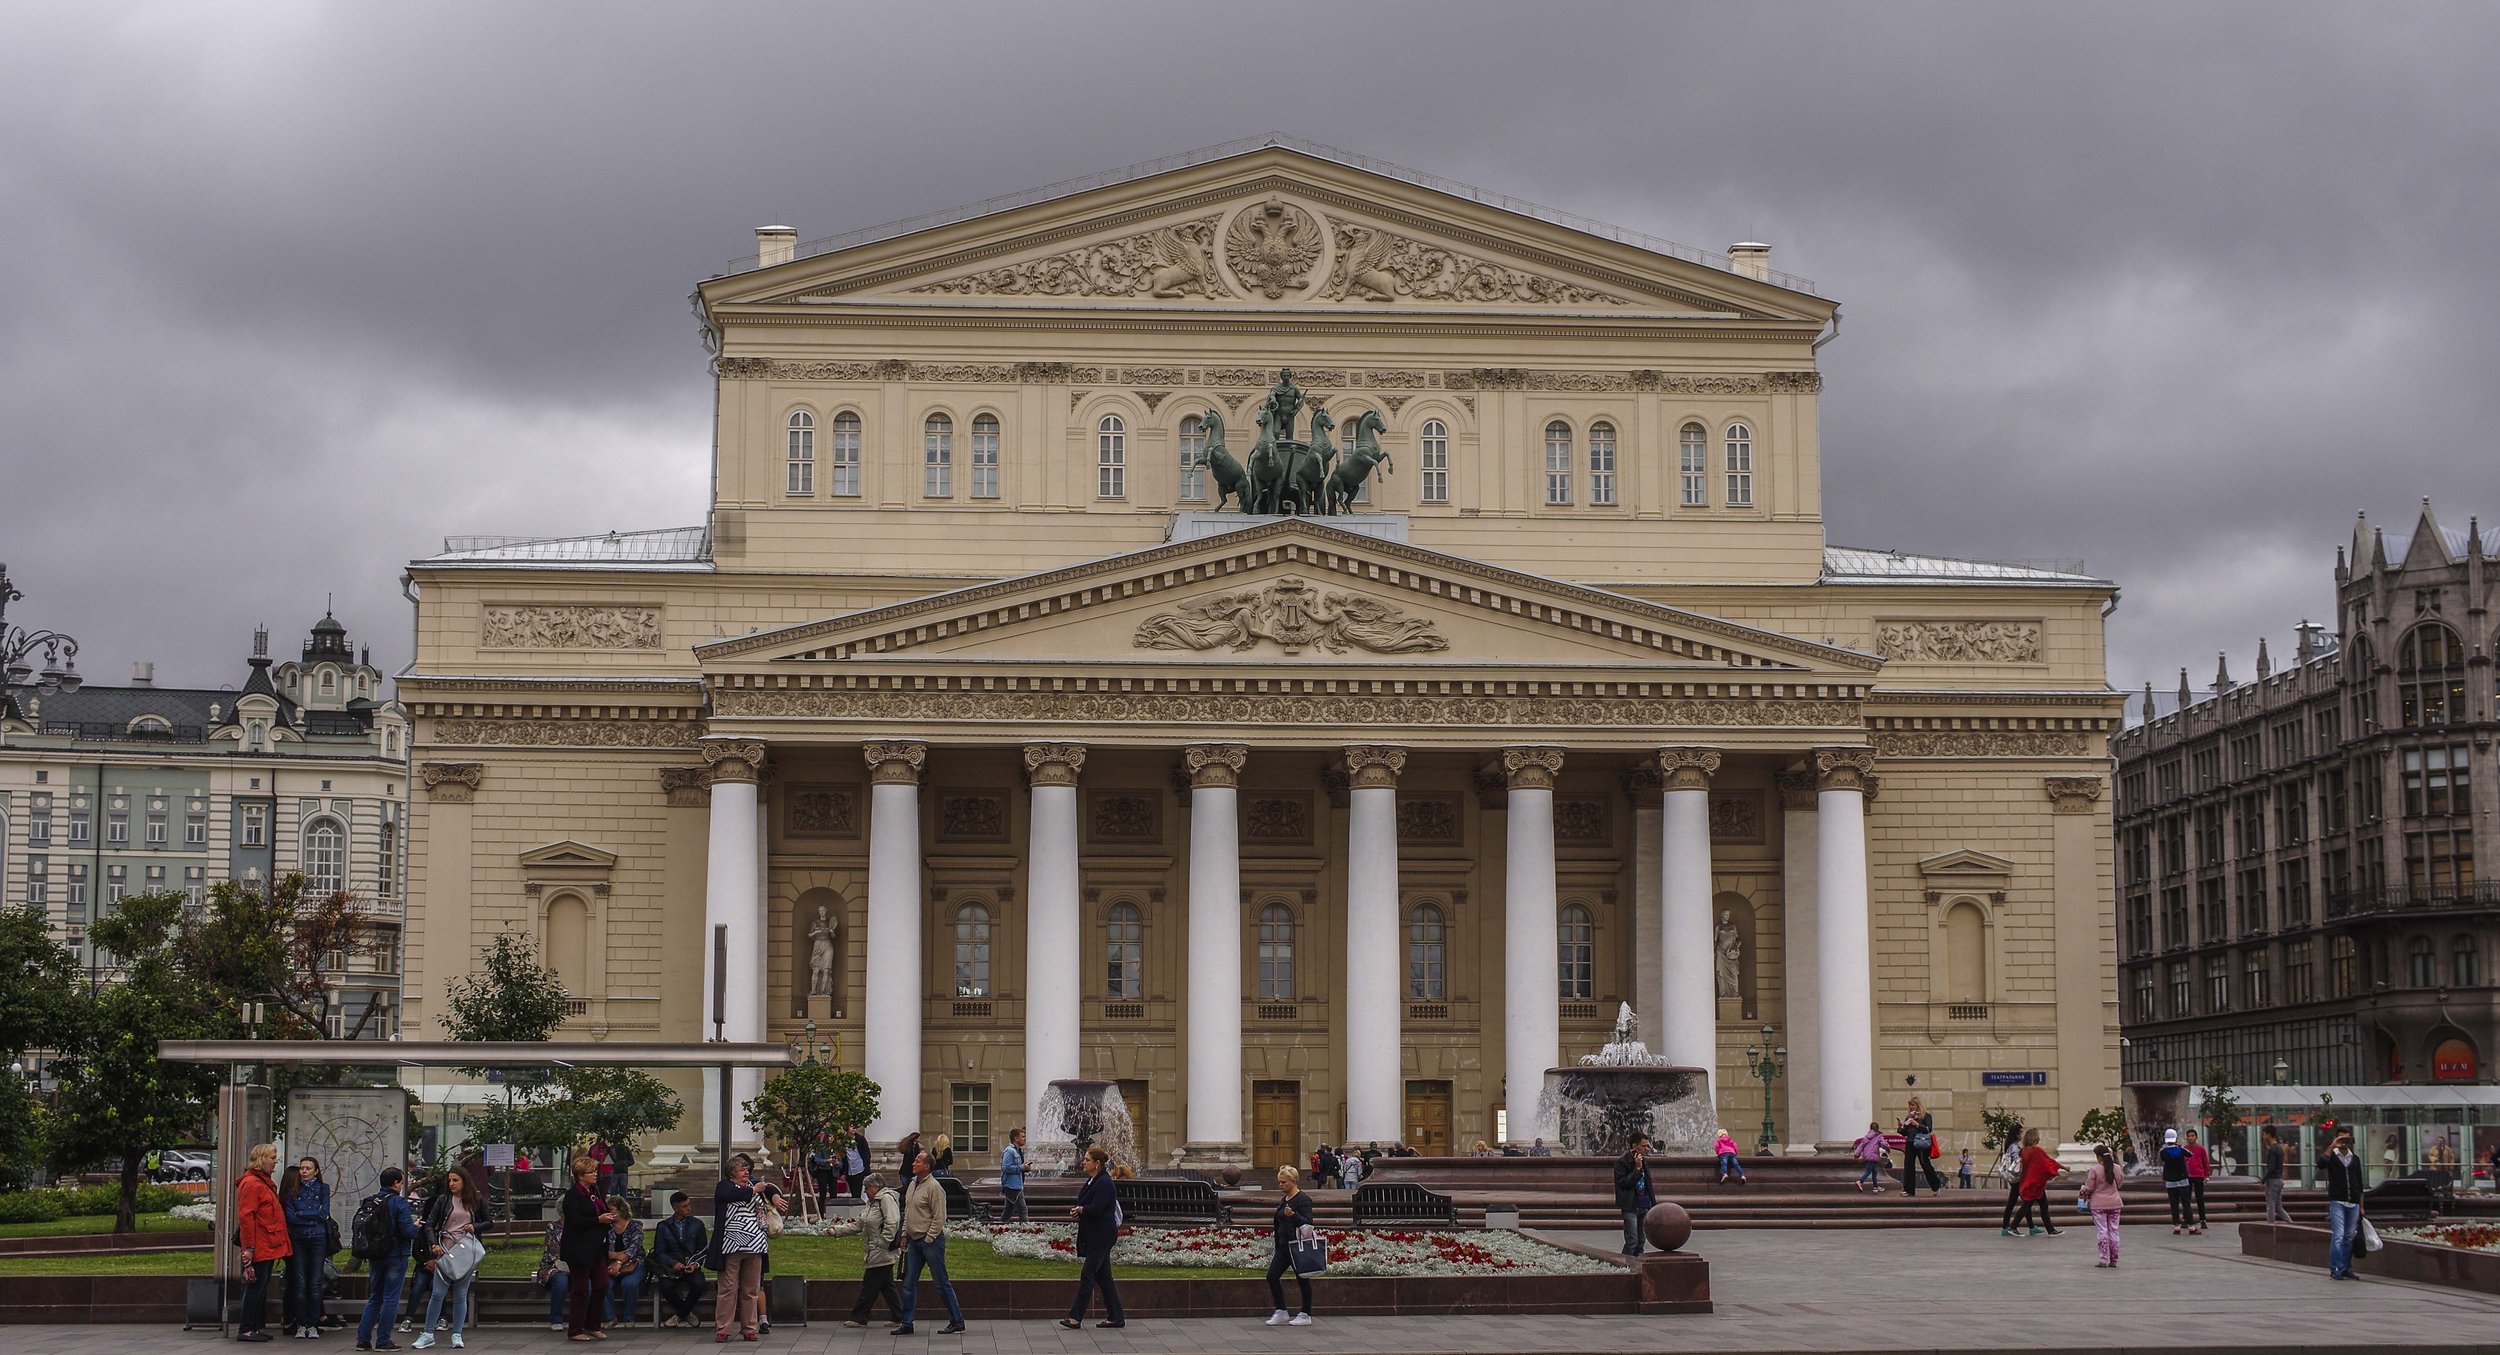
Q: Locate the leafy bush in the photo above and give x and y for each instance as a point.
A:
(1999, 1127)
(31, 1206)
(2104, 1124)
(106, 1199)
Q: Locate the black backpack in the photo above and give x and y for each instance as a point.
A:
(369, 1234)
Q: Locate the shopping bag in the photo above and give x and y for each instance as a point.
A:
(2369, 1237)
(1310, 1252)
(460, 1258)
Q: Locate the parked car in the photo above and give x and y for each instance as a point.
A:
(183, 1164)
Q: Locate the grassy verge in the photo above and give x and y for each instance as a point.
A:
(100, 1223)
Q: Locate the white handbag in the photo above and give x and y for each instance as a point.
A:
(460, 1258)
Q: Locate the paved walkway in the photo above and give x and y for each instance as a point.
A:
(1776, 1291)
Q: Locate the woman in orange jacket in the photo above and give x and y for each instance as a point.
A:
(262, 1226)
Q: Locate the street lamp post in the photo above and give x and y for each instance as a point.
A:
(17, 646)
(1769, 1061)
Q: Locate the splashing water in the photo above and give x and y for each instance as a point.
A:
(1077, 1113)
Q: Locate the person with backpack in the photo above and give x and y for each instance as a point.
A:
(261, 1231)
(1011, 1179)
(677, 1261)
(1097, 1215)
(457, 1211)
(2174, 1180)
(381, 1235)
(880, 1234)
(1918, 1149)
(2103, 1196)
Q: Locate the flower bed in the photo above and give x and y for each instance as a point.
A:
(2463, 1236)
(1395, 1254)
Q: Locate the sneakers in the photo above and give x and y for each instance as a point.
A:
(2007, 1232)
(951, 1329)
(457, 1343)
(1300, 1320)
(903, 1330)
(1279, 1318)
(2054, 1232)
(2037, 1231)
(424, 1342)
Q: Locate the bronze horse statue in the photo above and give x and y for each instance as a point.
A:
(1231, 481)
(1356, 465)
(1305, 468)
(1265, 475)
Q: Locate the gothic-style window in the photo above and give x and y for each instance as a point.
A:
(846, 455)
(1739, 466)
(1602, 464)
(1574, 938)
(1436, 454)
(1276, 953)
(1193, 460)
(985, 456)
(801, 453)
(2430, 676)
(1111, 458)
(972, 951)
(938, 458)
(1693, 451)
(1427, 955)
(1124, 947)
(1558, 462)
(325, 858)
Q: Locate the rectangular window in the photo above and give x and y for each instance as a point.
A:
(985, 457)
(2251, 826)
(77, 886)
(117, 828)
(116, 883)
(2208, 763)
(195, 884)
(39, 820)
(846, 456)
(2298, 985)
(968, 1118)
(2295, 879)
(2213, 921)
(1739, 466)
(2254, 989)
(1436, 455)
(255, 826)
(1111, 459)
(2140, 925)
(938, 458)
(2146, 1008)
(156, 830)
(195, 829)
(1602, 465)
(1557, 464)
(2167, 774)
(1193, 460)
(38, 881)
(2182, 992)
(156, 879)
(2217, 984)
(2440, 863)
(2334, 802)
(2174, 917)
(2209, 841)
(386, 863)
(2252, 900)
(800, 455)
(2330, 729)
(80, 831)
(1693, 450)
(2174, 857)
(2369, 874)
(2247, 755)
(2435, 782)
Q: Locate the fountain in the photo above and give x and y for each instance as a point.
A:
(1596, 1107)
(1077, 1113)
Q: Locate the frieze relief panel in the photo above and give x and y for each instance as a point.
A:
(1959, 641)
(570, 626)
(1258, 711)
(820, 811)
(1907, 743)
(1277, 820)
(1125, 816)
(1169, 261)
(1379, 265)
(1736, 817)
(1295, 616)
(566, 733)
(972, 816)
(1581, 821)
(1428, 820)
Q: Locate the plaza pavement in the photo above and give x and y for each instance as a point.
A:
(1776, 1291)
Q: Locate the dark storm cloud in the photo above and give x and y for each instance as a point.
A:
(293, 292)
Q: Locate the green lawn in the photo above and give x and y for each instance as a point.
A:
(100, 1223)
(814, 1257)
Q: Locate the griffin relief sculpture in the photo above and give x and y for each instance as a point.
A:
(1168, 261)
(1377, 265)
(1294, 615)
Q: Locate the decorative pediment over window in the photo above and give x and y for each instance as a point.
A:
(1965, 872)
(566, 857)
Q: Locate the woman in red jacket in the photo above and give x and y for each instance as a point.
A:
(2033, 1189)
(265, 1243)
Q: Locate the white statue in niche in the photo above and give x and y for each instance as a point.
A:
(820, 954)
(1729, 955)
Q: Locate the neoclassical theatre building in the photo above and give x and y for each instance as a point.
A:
(1003, 747)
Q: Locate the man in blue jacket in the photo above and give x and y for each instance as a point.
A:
(373, 1330)
(1011, 1178)
(1097, 1215)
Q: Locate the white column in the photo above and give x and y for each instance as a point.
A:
(1531, 1010)
(1642, 785)
(1375, 1064)
(1801, 991)
(733, 897)
(1212, 1089)
(891, 1021)
(1053, 933)
(1844, 951)
(1688, 1030)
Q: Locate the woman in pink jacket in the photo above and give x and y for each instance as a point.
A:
(1872, 1150)
(2101, 1196)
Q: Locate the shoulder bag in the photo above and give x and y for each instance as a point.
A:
(1310, 1251)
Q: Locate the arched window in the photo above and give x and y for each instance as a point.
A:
(1124, 949)
(1276, 953)
(800, 454)
(1436, 456)
(1739, 466)
(2465, 963)
(325, 858)
(1575, 943)
(151, 724)
(2421, 963)
(1601, 464)
(846, 455)
(1558, 462)
(329, 683)
(985, 456)
(972, 951)
(568, 942)
(938, 457)
(1111, 458)
(1427, 956)
(1193, 460)
(2430, 676)
(2342, 960)
(1693, 456)
(1965, 953)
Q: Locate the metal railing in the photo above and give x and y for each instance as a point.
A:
(2408, 898)
(108, 732)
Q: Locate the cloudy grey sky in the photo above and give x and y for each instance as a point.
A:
(292, 291)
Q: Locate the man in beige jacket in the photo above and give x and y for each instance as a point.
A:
(924, 1243)
(880, 1232)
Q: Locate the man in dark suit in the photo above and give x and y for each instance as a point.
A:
(1097, 1215)
(1632, 1192)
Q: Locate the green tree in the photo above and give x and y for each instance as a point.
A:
(509, 996)
(1999, 1127)
(280, 946)
(2220, 1110)
(812, 1103)
(116, 1096)
(2104, 1124)
(40, 985)
(577, 1105)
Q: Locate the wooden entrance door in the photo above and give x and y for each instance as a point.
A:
(1428, 1118)
(1275, 1124)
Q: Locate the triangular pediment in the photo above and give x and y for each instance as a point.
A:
(1292, 591)
(568, 855)
(1271, 226)
(1966, 864)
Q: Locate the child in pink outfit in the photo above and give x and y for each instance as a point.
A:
(2101, 1196)
(1871, 1150)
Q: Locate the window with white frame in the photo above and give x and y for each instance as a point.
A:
(937, 444)
(1193, 460)
(159, 830)
(1111, 458)
(195, 824)
(325, 857)
(1427, 955)
(1436, 457)
(1739, 466)
(1602, 464)
(38, 881)
(77, 886)
(1575, 938)
(117, 822)
(195, 884)
(985, 456)
(800, 454)
(846, 456)
(39, 820)
(972, 951)
(255, 825)
(968, 1118)
(1124, 950)
(155, 878)
(116, 883)
(81, 822)
(1693, 453)
(1557, 462)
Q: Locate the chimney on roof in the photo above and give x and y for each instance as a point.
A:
(1751, 258)
(143, 674)
(775, 244)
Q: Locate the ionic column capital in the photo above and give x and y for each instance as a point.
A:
(2072, 794)
(1374, 766)
(1531, 768)
(686, 787)
(733, 759)
(451, 782)
(1688, 768)
(1053, 764)
(895, 764)
(1214, 765)
(1796, 790)
(1844, 769)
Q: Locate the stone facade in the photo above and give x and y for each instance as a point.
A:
(964, 595)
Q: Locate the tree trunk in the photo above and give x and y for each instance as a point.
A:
(126, 1213)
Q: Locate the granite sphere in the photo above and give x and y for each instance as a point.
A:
(1667, 1226)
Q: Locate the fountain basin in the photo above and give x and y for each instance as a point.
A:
(1595, 1108)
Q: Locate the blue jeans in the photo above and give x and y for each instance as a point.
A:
(933, 1255)
(625, 1294)
(1872, 1173)
(459, 1294)
(303, 1279)
(559, 1288)
(2343, 1227)
(382, 1305)
(1729, 1166)
(1632, 1240)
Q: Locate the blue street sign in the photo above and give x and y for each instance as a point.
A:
(1995, 1079)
